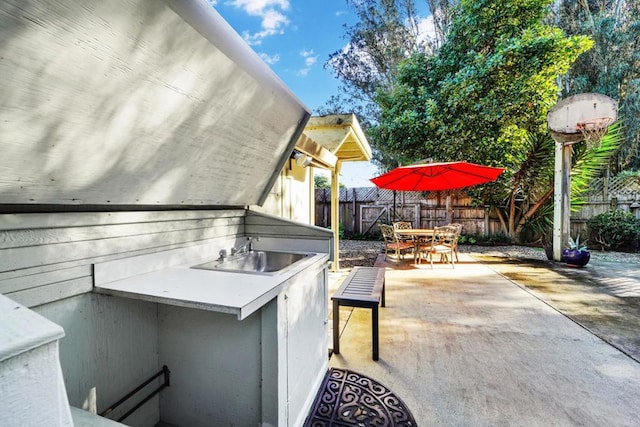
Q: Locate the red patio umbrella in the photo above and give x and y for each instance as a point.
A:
(436, 176)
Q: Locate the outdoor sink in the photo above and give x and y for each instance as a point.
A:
(255, 262)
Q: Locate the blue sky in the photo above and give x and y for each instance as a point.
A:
(296, 37)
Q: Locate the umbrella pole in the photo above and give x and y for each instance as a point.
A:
(394, 218)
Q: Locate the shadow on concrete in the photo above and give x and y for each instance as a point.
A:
(584, 295)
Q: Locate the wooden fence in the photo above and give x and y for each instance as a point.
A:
(362, 208)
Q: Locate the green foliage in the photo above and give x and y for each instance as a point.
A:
(496, 239)
(589, 164)
(360, 236)
(481, 239)
(615, 230)
(466, 239)
(574, 245)
(483, 97)
(492, 80)
(321, 181)
(385, 33)
(611, 67)
(628, 173)
(539, 227)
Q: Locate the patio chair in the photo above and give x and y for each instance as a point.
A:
(458, 231)
(443, 242)
(393, 244)
(403, 225)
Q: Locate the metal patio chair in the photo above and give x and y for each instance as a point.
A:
(393, 244)
(458, 231)
(443, 242)
(403, 225)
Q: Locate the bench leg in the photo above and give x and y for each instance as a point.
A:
(383, 280)
(336, 327)
(374, 327)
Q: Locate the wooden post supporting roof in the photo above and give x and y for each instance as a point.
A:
(342, 135)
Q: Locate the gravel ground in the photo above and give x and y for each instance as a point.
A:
(364, 253)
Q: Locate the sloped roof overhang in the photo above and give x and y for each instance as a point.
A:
(340, 134)
(321, 157)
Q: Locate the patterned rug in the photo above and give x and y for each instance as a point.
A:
(347, 398)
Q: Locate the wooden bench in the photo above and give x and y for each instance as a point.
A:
(363, 287)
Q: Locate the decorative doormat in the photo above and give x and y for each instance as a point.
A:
(347, 398)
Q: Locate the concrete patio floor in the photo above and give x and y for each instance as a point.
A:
(471, 347)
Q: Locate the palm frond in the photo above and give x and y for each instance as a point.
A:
(588, 164)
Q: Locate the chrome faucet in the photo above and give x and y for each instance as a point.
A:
(245, 247)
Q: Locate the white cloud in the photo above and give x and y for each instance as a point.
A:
(257, 7)
(271, 12)
(310, 58)
(270, 59)
(273, 20)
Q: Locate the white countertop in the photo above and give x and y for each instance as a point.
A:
(236, 293)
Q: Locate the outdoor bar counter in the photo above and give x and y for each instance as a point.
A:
(226, 292)
(261, 336)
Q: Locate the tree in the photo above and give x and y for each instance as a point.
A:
(321, 181)
(586, 165)
(441, 11)
(386, 33)
(483, 97)
(612, 67)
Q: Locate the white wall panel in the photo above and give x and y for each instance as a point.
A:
(136, 102)
(110, 347)
(45, 258)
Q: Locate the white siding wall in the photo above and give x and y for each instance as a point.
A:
(48, 257)
(111, 344)
(292, 195)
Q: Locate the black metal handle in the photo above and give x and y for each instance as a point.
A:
(164, 371)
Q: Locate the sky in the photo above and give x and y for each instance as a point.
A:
(295, 38)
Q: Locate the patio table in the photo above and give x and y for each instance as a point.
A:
(418, 235)
(415, 232)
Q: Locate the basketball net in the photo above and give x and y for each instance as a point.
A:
(593, 130)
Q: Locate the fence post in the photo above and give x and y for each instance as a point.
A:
(353, 212)
(487, 211)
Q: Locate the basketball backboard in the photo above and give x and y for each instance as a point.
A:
(563, 118)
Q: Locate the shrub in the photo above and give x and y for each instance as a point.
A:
(481, 239)
(496, 239)
(614, 230)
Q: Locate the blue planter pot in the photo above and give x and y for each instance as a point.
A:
(575, 258)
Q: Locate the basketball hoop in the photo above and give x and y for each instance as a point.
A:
(594, 129)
